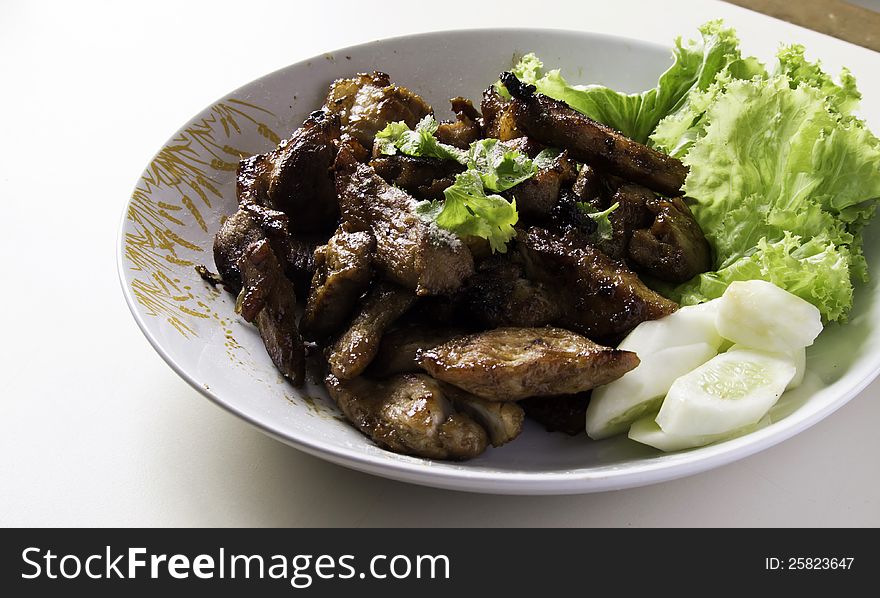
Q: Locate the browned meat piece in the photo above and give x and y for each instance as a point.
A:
(368, 102)
(355, 148)
(555, 124)
(424, 178)
(268, 300)
(354, 350)
(498, 294)
(300, 265)
(302, 182)
(408, 414)
(498, 117)
(502, 421)
(343, 92)
(434, 312)
(591, 187)
(295, 177)
(568, 214)
(631, 214)
(252, 179)
(536, 197)
(509, 364)
(599, 297)
(398, 349)
(342, 275)
(674, 248)
(559, 414)
(409, 251)
(247, 226)
(466, 127)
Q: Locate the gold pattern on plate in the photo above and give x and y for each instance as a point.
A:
(182, 183)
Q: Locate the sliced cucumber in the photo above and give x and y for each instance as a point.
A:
(687, 326)
(648, 432)
(756, 313)
(798, 357)
(615, 406)
(800, 362)
(731, 390)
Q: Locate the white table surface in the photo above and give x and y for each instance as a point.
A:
(96, 430)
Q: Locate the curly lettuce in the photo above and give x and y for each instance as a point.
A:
(696, 64)
(783, 178)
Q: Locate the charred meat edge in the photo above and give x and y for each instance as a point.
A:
(556, 124)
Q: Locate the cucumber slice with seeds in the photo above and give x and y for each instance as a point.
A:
(798, 357)
(729, 391)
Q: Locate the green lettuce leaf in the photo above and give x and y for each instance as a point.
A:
(468, 211)
(815, 270)
(675, 134)
(783, 179)
(636, 115)
(792, 63)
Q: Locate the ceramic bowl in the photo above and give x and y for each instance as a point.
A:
(189, 187)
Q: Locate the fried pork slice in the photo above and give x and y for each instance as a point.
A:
(424, 178)
(408, 414)
(569, 214)
(591, 187)
(409, 251)
(631, 214)
(559, 414)
(300, 264)
(555, 124)
(466, 127)
(267, 299)
(295, 177)
(247, 226)
(598, 296)
(368, 102)
(509, 364)
(674, 248)
(357, 346)
(252, 179)
(399, 348)
(498, 117)
(343, 268)
(503, 421)
(536, 197)
(499, 294)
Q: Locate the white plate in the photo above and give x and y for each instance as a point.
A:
(189, 186)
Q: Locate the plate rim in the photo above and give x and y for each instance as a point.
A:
(421, 471)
